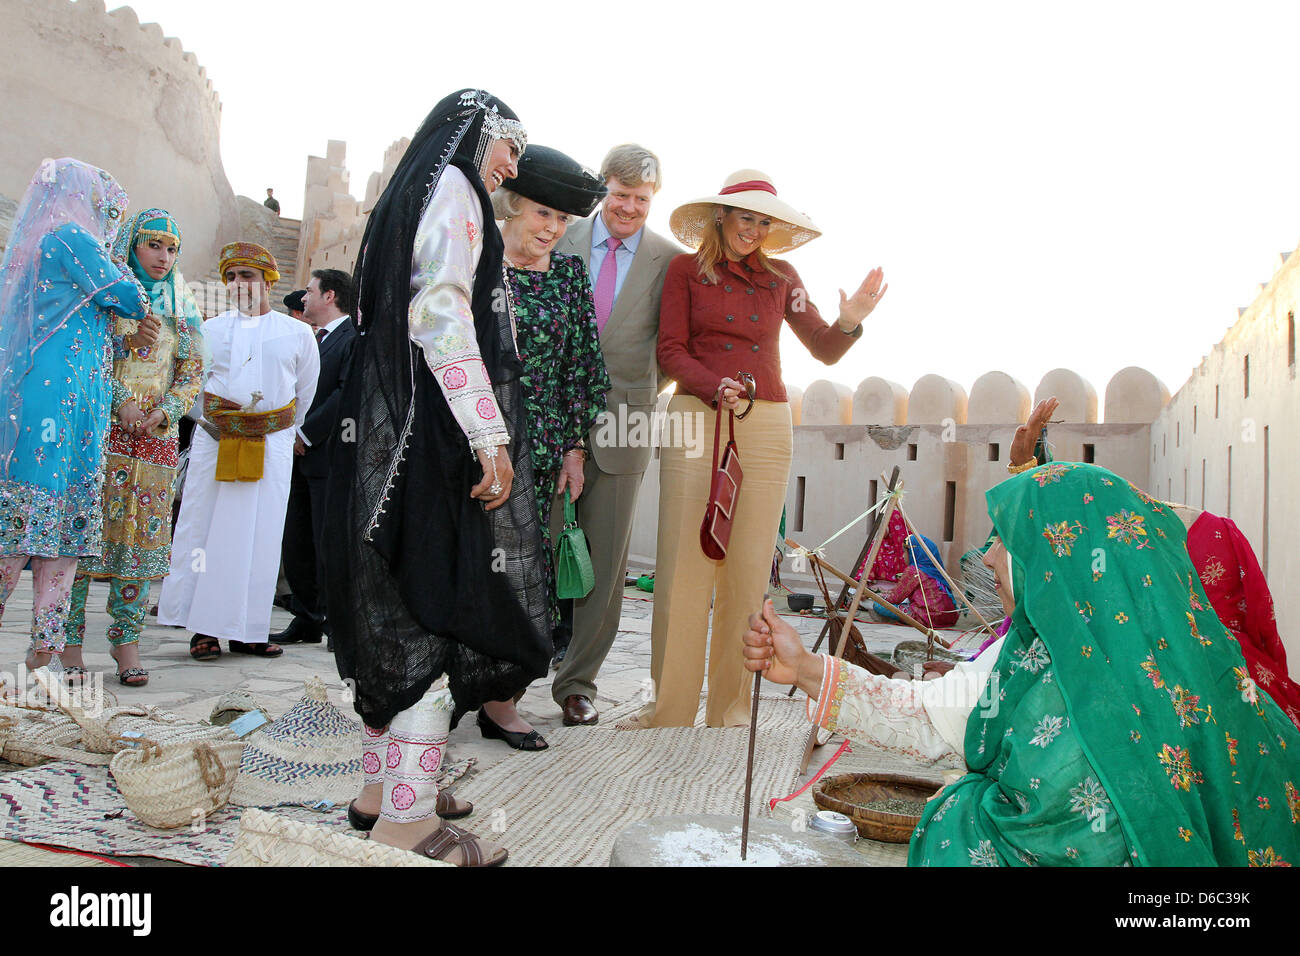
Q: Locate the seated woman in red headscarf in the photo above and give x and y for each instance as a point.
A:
(1236, 587)
(891, 559)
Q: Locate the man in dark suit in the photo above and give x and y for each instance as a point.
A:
(327, 304)
(626, 263)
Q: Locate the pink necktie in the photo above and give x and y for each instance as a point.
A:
(605, 283)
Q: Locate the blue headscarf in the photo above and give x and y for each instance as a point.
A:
(921, 561)
(169, 297)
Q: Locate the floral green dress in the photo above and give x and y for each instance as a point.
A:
(1124, 728)
(564, 378)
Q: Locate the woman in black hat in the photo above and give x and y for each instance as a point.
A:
(563, 375)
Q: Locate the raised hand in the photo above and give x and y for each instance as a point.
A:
(1022, 445)
(855, 308)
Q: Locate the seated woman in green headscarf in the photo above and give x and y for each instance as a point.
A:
(1118, 723)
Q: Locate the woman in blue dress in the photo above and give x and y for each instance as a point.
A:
(60, 294)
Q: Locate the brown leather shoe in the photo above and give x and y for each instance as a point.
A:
(578, 711)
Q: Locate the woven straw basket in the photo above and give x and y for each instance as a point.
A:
(845, 793)
(266, 839)
(171, 785)
(103, 734)
(31, 736)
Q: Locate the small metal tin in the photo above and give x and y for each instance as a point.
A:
(835, 824)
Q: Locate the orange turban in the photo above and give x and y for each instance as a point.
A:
(248, 254)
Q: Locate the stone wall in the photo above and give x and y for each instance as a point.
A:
(100, 87)
(848, 440)
(333, 222)
(1227, 441)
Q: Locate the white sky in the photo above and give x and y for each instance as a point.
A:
(1092, 186)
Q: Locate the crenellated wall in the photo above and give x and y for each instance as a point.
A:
(950, 450)
(333, 222)
(78, 81)
(1227, 442)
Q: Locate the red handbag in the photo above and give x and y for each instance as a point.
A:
(715, 532)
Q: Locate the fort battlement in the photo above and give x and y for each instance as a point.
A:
(77, 80)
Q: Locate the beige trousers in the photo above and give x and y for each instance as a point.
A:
(686, 581)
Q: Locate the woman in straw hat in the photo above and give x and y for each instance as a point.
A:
(721, 317)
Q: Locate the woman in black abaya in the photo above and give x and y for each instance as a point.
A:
(435, 550)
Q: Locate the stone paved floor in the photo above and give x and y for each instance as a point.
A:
(190, 688)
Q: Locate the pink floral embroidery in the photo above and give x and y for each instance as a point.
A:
(394, 755)
(487, 408)
(370, 763)
(431, 760)
(470, 230)
(403, 797)
(454, 378)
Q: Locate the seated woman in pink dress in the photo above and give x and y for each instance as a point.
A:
(921, 590)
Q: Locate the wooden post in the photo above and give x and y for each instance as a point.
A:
(867, 555)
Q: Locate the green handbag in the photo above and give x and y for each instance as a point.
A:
(574, 575)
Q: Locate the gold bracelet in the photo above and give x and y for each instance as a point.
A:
(1017, 469)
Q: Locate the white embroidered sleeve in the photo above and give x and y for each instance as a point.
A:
(308, 368)
(878, 710)
(447, 249)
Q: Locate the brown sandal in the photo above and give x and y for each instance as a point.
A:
(439, 844)
(360, 820)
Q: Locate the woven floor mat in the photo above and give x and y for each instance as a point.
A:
(20, 854)
(76, 806)
(565, 806)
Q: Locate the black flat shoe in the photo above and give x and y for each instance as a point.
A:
(301, 630)
(361, 821)
(519, 741)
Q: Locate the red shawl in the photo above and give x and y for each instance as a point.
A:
(1236, 587)
(891, 559)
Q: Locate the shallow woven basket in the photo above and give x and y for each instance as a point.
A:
(267, 839)
(173, 785)
(103, 734)
(847, 792)
(909, 653)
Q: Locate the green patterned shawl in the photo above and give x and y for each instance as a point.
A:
(1125, 729)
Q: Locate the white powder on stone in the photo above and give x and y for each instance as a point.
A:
(704, 846)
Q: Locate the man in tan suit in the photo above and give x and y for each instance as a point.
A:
(626, 263)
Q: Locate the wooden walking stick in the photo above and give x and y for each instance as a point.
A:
(749, 766)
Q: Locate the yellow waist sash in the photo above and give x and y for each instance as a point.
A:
(241, 435)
